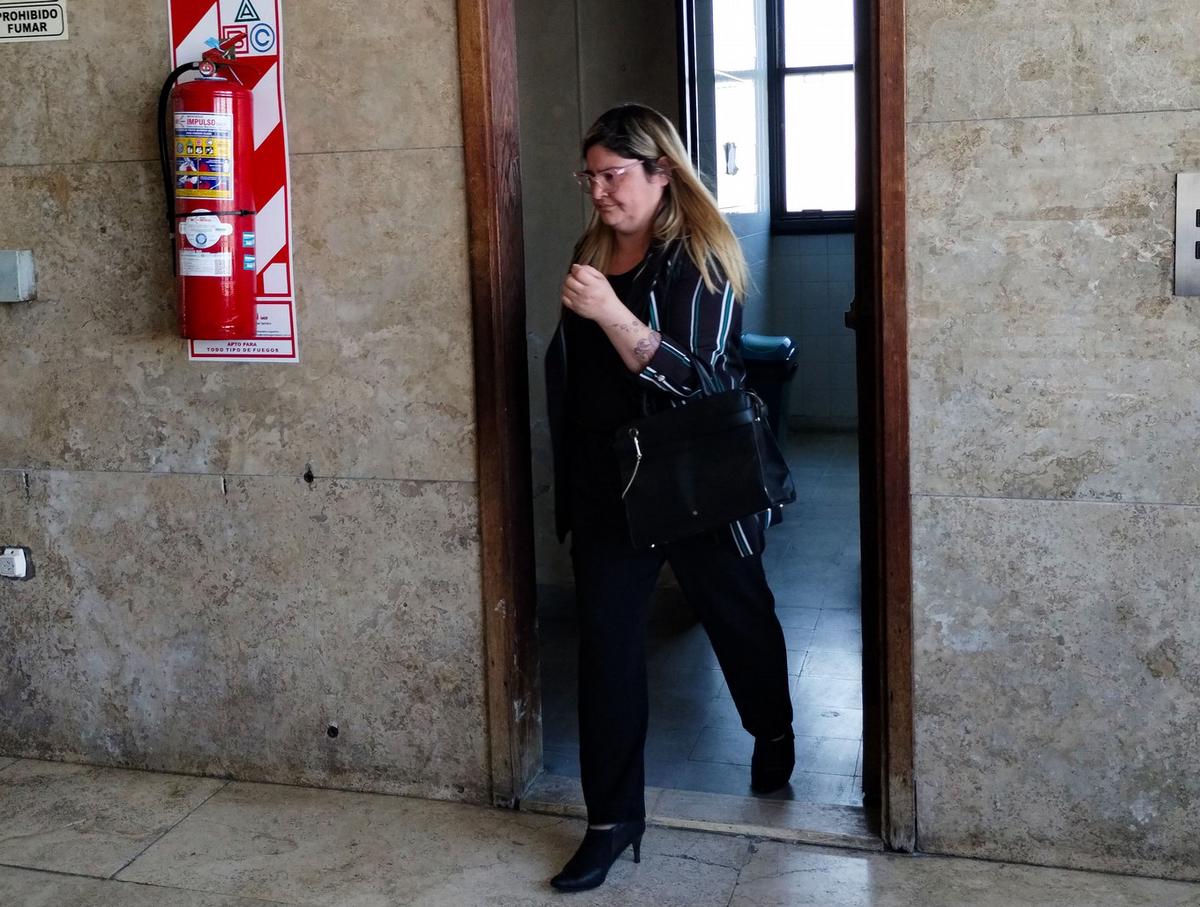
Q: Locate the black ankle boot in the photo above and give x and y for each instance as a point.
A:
(595, 856)
(772, 763)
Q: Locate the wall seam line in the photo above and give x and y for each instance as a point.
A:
(1053, 116)
(139, 160)
(233, 475)
(1002, 497)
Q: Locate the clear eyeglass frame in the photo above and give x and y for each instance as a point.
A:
(607, 178)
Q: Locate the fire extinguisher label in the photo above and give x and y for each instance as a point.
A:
(205, 264)
(204, 230)
(204, 155)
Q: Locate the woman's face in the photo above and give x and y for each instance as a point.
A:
(627, 202)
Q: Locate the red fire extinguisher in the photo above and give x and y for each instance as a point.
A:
(206, 156)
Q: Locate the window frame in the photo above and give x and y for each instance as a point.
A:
(782, 220)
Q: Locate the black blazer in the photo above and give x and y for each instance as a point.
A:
(695, 323)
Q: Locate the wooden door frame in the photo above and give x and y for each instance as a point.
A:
(491, 151)
(880, 312)
(487, 54)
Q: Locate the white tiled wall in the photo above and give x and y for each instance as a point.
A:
(812, 285)
(755, 236)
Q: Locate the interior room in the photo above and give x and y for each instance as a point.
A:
(789, 198)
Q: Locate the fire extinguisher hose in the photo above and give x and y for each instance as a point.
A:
(164, 148)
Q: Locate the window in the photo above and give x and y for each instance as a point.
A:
(812, 115)
(740, 113)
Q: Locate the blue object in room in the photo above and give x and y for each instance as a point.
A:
(771, 364)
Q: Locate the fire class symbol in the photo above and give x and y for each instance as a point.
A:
(247, 13)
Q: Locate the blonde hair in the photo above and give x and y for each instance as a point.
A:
(688, 212)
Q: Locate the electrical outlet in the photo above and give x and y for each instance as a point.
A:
(14, 564)
(18, 277)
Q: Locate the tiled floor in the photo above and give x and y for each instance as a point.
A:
(696, 741)
(73, 836)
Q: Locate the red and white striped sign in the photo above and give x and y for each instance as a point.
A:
(194, 26)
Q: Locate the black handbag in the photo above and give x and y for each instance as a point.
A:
(699, 465)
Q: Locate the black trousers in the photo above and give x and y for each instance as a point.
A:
(614, 583)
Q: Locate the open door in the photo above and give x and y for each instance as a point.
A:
(487, 56)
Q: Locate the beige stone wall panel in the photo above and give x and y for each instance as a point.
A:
(179, 624)
(375, 76)
(384, 388)
(218, 621)
(1047, 354)
(973, 59)
(357, 77)
(93, 97)
(1058, 683)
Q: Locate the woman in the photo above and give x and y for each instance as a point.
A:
(656, 285)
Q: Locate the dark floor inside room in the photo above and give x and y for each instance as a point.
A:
(695, 740)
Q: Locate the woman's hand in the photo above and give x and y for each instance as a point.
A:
(588, 294)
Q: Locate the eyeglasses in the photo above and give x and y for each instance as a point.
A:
(606, 178)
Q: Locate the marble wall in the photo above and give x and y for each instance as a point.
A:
(198, 605)
(1054, 406)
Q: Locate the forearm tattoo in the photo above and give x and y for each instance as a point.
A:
(647, 347)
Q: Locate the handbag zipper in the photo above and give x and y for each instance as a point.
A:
(637, 448)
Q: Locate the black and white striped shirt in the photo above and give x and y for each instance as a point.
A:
(696, 324)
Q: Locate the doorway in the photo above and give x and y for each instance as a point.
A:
(487, 41)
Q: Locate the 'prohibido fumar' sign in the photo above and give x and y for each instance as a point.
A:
(32, 20)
